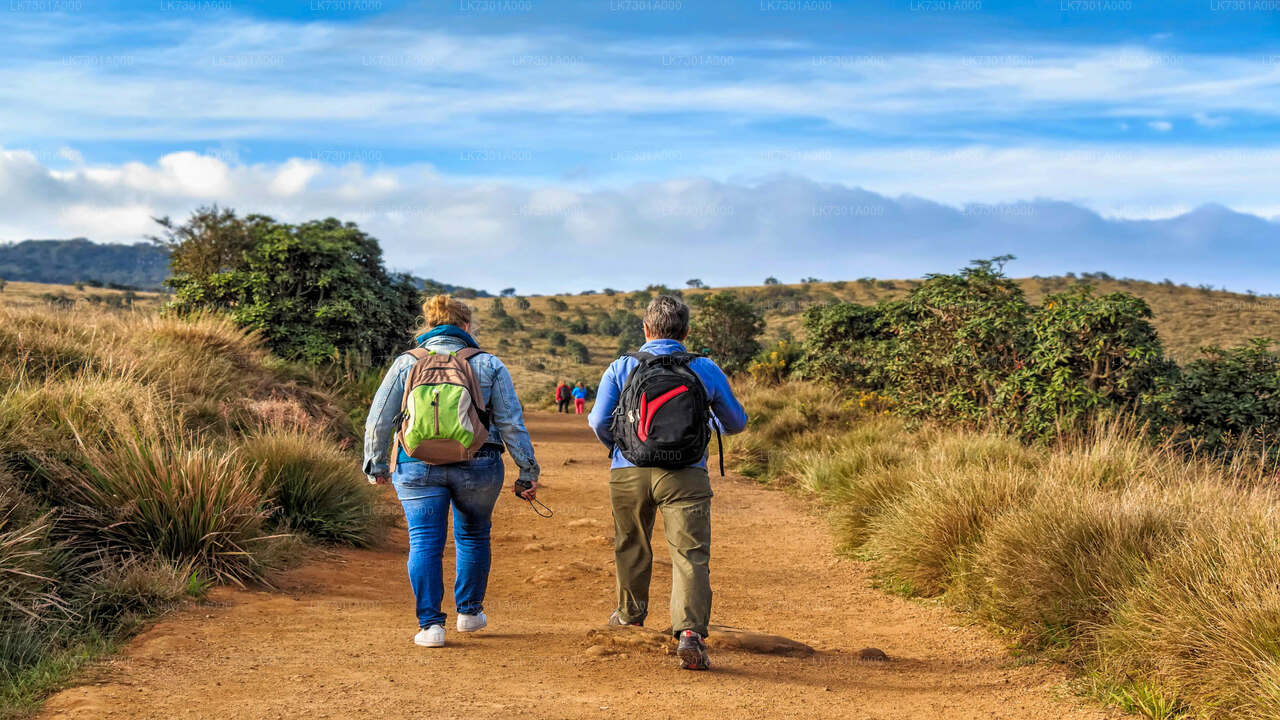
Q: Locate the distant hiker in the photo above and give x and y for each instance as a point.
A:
(563, 397)
(655, 410)
(579, 398)
(450, 407)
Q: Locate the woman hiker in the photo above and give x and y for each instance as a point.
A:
(455, 443)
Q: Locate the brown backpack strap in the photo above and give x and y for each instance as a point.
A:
(465, 354)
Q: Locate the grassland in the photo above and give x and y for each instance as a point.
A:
(1152, 572)
(144, 458)
(1187, 319)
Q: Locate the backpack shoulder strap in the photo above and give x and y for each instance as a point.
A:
(418, 353)
(467, 353)
(641, 355)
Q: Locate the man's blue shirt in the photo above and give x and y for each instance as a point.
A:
(725, 408)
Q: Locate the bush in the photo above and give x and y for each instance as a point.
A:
(774, 365)
(315, 291)
(726, 329)
(579, 352)
(844, 345)
(1228, 400)
(313, 488)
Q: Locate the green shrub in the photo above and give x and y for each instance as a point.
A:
(315, 290)
(773, 365)
(1088, 355)
(844, 345)
(314, 488)
(1228, 400)
(726, 329)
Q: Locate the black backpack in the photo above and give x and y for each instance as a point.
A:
(663, 418)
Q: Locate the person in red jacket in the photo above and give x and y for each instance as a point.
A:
(562, 397)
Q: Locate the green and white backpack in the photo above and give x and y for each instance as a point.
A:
(443, 418)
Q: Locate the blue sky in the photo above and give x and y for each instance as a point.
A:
(786, 137)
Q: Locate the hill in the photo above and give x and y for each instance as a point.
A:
(140, 266)
(1187, 319)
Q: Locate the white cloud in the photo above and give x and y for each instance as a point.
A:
(1160, 125)
(494, 233)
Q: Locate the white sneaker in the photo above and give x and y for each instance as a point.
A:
(430, 637)
(471, 623)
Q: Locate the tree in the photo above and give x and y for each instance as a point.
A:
(695, 283)
(314, 291)
(771, 280)
(523, 303)
(508, 292)
(727, 329)
(3, 282)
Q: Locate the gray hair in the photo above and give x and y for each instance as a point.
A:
(667, 317)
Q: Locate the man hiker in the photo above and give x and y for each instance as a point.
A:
(562, 397)
(580, 398)
(655, 410)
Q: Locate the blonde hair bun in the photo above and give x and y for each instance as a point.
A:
(445, 310)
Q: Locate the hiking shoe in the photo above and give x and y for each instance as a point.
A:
(472, 623)
(615, 620)
(693, 652)
(430, 636)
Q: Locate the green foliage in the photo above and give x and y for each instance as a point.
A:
(956, 339)
(315, 291)
(557, 304)
(773, 365)
(727, 329)
(844, 344)
(969, 348)
(1087, 354)
(579, 352)
(556, 338)
(1228, 400)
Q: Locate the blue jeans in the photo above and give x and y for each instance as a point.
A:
(426, 491)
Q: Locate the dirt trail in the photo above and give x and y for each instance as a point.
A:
(337, 642)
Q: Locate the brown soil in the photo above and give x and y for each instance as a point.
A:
(337, 642)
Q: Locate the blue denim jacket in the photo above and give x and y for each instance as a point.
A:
(725, 408)
(507, 426)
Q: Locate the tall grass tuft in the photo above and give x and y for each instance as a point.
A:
(314, 488)
(184, 503)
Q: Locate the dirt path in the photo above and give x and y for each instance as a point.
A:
(337, 642)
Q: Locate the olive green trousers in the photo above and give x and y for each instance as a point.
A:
(684, 497)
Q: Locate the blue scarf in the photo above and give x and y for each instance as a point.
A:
(452, 331)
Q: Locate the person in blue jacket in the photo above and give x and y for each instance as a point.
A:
(683, 495)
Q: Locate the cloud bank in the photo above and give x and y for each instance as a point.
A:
(545, 237)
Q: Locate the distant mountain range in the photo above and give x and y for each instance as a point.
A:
(143, 266)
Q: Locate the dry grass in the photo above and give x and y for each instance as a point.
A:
(123, 483)
(1157, 574)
